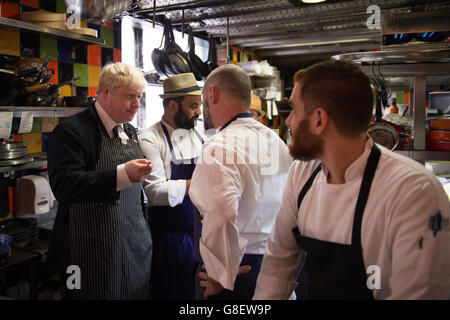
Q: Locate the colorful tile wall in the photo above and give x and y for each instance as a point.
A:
(68, 58)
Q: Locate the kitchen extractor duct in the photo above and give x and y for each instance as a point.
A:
(98, 9)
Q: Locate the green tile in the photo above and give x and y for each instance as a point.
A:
(81, 70)
(49, 47)
(37, 125)
(107, 34)
(61, 6)
(400, 98)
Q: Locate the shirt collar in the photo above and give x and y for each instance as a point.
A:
(356, 168)
(108, 123)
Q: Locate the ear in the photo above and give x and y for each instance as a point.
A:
(213, 94)
(319, 120)
(105, 92)
(173, 106)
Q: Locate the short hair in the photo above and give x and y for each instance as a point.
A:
(299, 75)
(176, 99)
(117, 75)
(233, 80)
(343, 90)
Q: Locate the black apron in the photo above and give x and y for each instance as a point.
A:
(333, 270)
(173, 265)
(111, 241)
(244, 286)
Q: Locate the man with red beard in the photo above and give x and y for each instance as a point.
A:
(364, 222)
(173, 145)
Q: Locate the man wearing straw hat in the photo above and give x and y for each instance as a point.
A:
(173, 145)
(255, 108)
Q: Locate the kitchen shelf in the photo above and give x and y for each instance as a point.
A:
(39, 161)
(426, 155)
(56, 32)
(43, 112)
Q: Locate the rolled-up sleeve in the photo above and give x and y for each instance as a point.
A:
(160, 190)
(221, 246)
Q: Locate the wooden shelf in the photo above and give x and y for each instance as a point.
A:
(56, 32)
(420, 155)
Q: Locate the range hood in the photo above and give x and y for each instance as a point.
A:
(99, 10)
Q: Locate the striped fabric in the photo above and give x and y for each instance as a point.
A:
(111, 242)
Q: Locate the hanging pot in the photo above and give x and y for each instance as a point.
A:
(199, 68)
(158, 56)
(381, 132)
(212, 56)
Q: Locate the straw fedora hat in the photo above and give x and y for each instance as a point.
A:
(179, 85)
(255, 104)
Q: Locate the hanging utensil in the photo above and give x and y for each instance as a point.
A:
(228, 39)
(199, 68)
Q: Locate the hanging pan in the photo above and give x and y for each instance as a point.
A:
(158, 56)
(212, 56)
(176, 60)
(199, 68)
(381, 132)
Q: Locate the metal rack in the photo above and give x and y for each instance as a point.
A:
(416, 65)
(43, 112)
(39, 161)
(56, 32)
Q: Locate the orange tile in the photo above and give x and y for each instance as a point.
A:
(117, 55)
(9, 10)
(94, 75)
(109, 25)
(53, 65)
(94, 55)
(10, 41)
(30, 3)
(406, 97)
(93, 91)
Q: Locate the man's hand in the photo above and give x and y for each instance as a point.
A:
(212, 286)
(138, 169)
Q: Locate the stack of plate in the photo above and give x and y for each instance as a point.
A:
(440, 134)
(13, 153)
(34, 232)
(5, 249)
(21, 230)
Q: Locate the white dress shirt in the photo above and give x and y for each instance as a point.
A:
(238, 194)
(123, 181)
(160, 190)
(395, 232)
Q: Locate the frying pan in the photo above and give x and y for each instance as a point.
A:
(212, 56)
(199, 68)
(158, 58)
(380, 132)
(175, 58)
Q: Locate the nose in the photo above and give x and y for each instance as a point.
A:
(198, 111)
(289, 120)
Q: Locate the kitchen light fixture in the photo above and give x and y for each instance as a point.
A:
(313, 1)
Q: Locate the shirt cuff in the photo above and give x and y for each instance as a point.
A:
(273, 288)
(176, 190)
(225, 275)
(123, 181)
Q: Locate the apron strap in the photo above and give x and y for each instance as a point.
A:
(366, 183)
(240, 115)
(307, 186)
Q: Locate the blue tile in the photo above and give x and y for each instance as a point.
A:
(64, 50)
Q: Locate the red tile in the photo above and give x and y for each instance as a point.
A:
(18, 137)
(53, 65)
(9, 10)
(109, 25)
(94, 55)
(30, 3)
(117, 55)
(92, 91)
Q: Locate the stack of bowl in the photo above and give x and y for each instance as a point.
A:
(5, 249)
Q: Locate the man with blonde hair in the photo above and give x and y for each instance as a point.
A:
(96, 169)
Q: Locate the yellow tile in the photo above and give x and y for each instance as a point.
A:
(33, 142)
(10, 41)
(94, 75)
(84, 24)
(65, 91)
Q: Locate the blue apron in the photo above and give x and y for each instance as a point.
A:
(173, 264)
(244, 286)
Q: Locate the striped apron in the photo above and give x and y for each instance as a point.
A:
(111, 241)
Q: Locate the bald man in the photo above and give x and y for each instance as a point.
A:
(236, 187)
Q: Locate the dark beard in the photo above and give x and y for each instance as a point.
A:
(182, 121)
(207, 123)
(305, 145)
